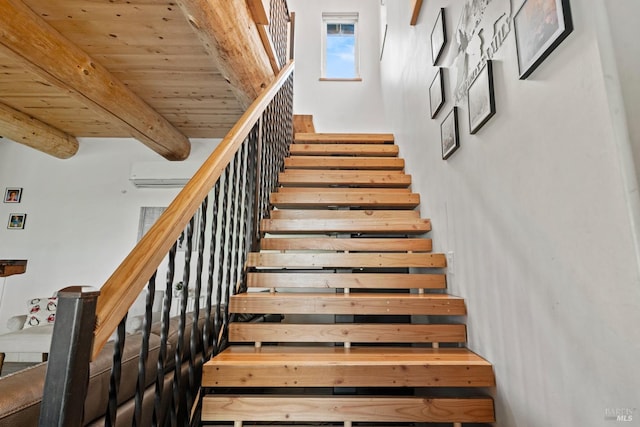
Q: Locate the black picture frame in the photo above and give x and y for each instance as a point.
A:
(540, 26)
(449, 137)
(436, 93)
(17, 221)
(12, 195)
(438, 37)
(481, 103)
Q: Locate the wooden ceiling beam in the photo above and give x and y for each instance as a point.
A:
(44, 51)
(27, 130)
(229, 34)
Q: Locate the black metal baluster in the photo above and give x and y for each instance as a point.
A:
(159, 412)
(228, 255)
(237, 214)
(208, 332)
(220, 258)
(183, 398)
(144, 351)
(116, 372)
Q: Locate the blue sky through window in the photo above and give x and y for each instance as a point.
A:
(341, 62)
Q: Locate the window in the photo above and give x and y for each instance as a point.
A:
(340, 58)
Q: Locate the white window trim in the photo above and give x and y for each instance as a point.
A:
(340, 18)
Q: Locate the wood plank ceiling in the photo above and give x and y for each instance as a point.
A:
(144, 54)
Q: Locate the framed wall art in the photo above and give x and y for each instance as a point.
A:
(16, 221)
(12, 195)
(438, 37)
(436, 93)
(480, 98)
(540, 26)
(449, 134)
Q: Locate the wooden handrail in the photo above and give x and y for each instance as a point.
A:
(123, 287)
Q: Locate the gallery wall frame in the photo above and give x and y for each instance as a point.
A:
(438, 37)
(449, 136)
(436, 93)
(481, 103)
(540, 26)
(17, 221)
(12, 195)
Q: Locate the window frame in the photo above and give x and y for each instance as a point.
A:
(340, 18)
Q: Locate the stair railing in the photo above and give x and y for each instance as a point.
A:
(215, 217)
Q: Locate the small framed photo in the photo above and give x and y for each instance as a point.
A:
(436, 93)
(449, 134)
(540, 26)
(16, 221)
(438, 37)
(481, 101)
(12, 195)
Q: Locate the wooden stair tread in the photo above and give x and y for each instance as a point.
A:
(363, 199)
(303, 177)
(346, 260)
(347, 408)
(369, 150)
(399, 226)
(350, 244)
(346, 280)
(322, 366)
(335, 162)
(347, 332)
(354, 303)
(303, 123)
(343, 138)
(318, 355)
(341, 190)
(343, 214)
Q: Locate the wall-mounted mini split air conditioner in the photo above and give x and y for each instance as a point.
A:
(162, 174)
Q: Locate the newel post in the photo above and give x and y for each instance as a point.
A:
(67, 377)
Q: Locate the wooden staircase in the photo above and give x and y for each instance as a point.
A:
(368, 334)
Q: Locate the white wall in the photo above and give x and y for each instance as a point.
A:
(533, 208)
(82, 214)
(337, 106)
(622, 16)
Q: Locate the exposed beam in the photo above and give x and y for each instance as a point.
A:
(45, 52)
(30, 131)
(230, 36)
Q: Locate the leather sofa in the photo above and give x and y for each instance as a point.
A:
(21, 392)
(37, 339)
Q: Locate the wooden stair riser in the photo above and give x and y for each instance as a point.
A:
(346, 280)
(343, 138)
(350, 304)
(346, 333)
(305, 226)
(347, 409)
(310, 178)
(351, 244)
(346, 260)
(365, 150)
(334, 162)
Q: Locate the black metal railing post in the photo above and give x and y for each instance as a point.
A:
(68, 366)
